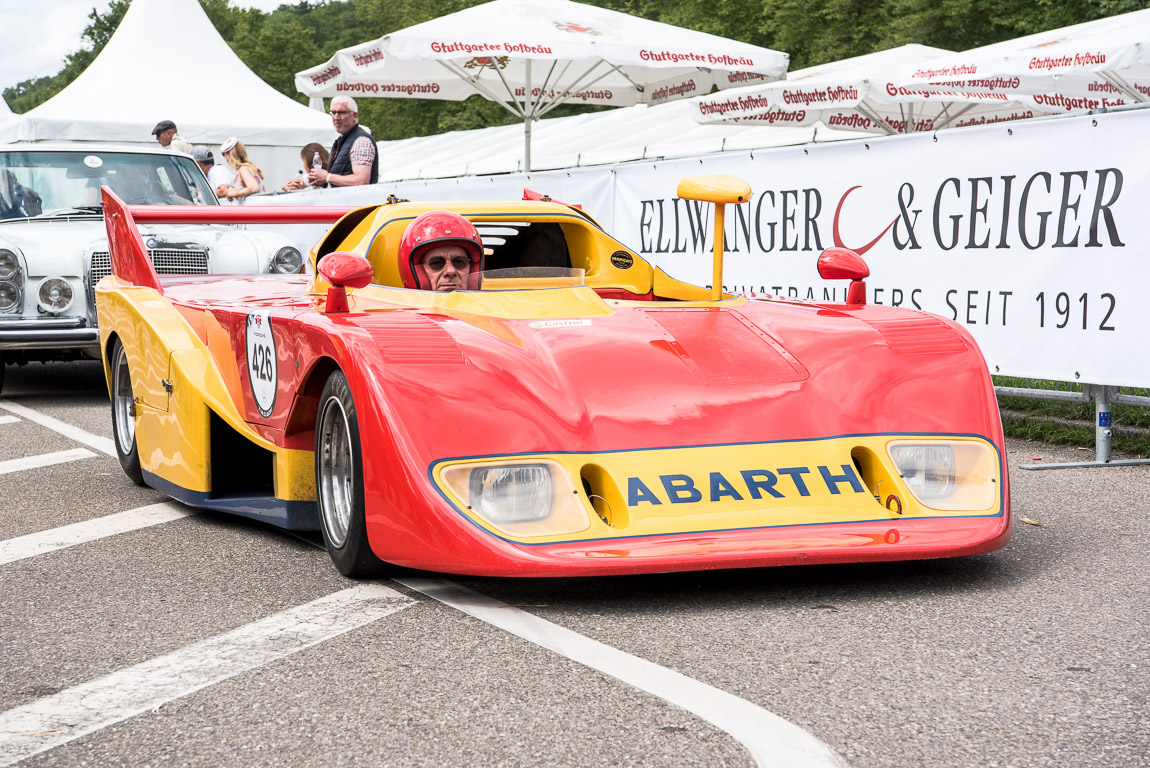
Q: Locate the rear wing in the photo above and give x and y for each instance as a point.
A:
(130, 260)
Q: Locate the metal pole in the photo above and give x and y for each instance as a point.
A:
(1102, 430)
(529, 114)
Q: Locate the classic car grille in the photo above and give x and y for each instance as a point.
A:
(166, 261)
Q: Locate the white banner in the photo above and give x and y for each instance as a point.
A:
(1033, 235)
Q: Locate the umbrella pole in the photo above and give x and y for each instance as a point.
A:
(527, 115)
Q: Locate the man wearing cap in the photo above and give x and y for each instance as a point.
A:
(353, 159)
(165, 133)
(217, 176)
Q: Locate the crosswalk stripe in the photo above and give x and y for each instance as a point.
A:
(771, 740)
(38, 543)
(101, 444)
(65, 716)
(44, 460)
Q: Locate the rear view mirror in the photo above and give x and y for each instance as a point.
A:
(845, 264)
(343, 270)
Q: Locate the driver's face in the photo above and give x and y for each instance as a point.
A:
(447, 267)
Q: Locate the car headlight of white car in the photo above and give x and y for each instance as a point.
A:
(55, 294)
(287, 261)
(11, 281)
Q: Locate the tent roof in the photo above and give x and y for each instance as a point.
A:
(167, 62)
(597, 138)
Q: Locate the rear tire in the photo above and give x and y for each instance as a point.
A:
(124, 415)
(339, 482)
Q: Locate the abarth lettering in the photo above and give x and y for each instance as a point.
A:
(756, 484)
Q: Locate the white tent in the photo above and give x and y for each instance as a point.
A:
(598, 138)
(167, 62)
(1101, 63)
(863, 94)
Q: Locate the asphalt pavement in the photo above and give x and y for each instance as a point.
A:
(1034, 655)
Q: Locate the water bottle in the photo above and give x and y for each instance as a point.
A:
(316, 162)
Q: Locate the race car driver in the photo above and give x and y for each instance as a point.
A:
(440, 251)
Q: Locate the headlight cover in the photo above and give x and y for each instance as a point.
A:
(287, 261)
(55, 294)
(533, 498)
(947, 475)
(9, 265)
(9, 296)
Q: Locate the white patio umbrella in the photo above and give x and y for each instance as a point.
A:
(862, 94)
(533, 55)
(1101, 63)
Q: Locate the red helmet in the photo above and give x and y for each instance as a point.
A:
(437, 228)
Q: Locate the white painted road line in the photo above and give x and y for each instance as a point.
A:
(34, 544)
(771, 740)
(44, 460)
(54, 720)
(101, 444)
(6, 419)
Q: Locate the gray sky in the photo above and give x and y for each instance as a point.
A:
(36, 35)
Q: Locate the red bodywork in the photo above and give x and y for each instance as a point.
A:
(430, 386)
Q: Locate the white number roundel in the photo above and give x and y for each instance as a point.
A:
(262, 371)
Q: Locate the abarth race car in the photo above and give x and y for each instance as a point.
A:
(570, 411)
(53, 247)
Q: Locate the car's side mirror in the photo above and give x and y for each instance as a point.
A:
(845, 264)
(343, 270)
(719, 190)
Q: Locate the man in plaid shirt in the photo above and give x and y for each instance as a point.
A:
(354, 159)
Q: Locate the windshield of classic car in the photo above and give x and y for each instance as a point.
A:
(34, 183)
(519, 278)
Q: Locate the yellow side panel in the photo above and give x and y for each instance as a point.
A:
(173, 431)
(295, 475)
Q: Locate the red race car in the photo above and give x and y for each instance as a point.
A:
(505, 389)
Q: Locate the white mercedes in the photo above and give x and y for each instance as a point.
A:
(54, 249)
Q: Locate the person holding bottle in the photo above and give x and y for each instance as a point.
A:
(314, 157)
(354, 159)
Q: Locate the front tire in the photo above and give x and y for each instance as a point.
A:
(124, 415)
(339, 482)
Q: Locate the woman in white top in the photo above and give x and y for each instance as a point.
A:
(249, 178)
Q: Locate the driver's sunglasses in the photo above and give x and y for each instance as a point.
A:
(341, 112)
(437, 263)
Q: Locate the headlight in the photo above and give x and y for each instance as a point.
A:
(515, 494)
(287, 261)
(952, 475)
(9, 296)
(9, 265)
(522, 499)
(55, 294)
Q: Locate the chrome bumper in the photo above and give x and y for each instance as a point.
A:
(47, 333)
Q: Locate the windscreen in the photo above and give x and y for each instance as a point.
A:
(35, 183)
